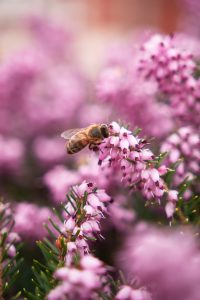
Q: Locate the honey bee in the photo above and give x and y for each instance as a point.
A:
(79, 138)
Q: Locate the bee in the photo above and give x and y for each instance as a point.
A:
(79, 138)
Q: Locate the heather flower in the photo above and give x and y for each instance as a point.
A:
(29, 220)
(50, 36)
(9, 238)
(174, 277)
(82, 281)
(64, 96)
(121, 216)
(12, 152)
(58, 180)
(39, 94)
(16, 77)
(126, 153)
(183, 146)
(172, 67)
(48, 150)
(128, 293)
(129, 95)
(85, 208)
(90, 171)
(171, 204)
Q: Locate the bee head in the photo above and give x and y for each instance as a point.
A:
(104, 130)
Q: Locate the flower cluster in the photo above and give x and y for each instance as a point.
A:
(12, 152)
(82, 275)
(60, 178)
(127, 153)
(172, 69)
(29, 219)
(81, 281)
(84, 210)
(126, 292)
(121, 217)
(129, 95)
(183, 146)
(153, 255)
(8, 238)
(40, 95)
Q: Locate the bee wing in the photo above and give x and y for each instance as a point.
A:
(69, 133)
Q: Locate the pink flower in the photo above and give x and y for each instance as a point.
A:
(57, 293)
(121, 217)
(69, 224)
(83, 212)
(184, 146)
(12, 153)
(171, 66)
(128, 293)
(170, 208)
(9, 238)
(172, 195)
(83, 282)
(92, 263)
(124, 293)
(11, 250)
(48, 150)
(29, 220)
(58, 180)
(133, 161)
(176, 276)
(129, 95)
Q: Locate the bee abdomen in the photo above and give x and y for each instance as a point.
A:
(75, 146)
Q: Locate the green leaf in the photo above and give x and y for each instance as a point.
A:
(50, 232)
(136, 131)
(55, 226)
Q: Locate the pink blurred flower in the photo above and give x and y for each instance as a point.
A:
(174, 277)
(11, 238)
(29, 220)
(184, 145)
(58, 180)
(81, 283)
(172, 67)
(49, 150)
(128, 293)
(90, 171)
(12, 153)
(58, 104)
(121, 216)
(129, 95)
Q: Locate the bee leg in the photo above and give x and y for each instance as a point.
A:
(93, 147)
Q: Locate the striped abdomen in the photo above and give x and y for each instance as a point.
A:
(77, 143)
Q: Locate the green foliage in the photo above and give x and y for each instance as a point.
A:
(9, 265)
(43, 279)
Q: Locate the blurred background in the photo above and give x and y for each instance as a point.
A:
(96, 22)
(51, 55)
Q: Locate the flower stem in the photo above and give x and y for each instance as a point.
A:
(181, 216)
